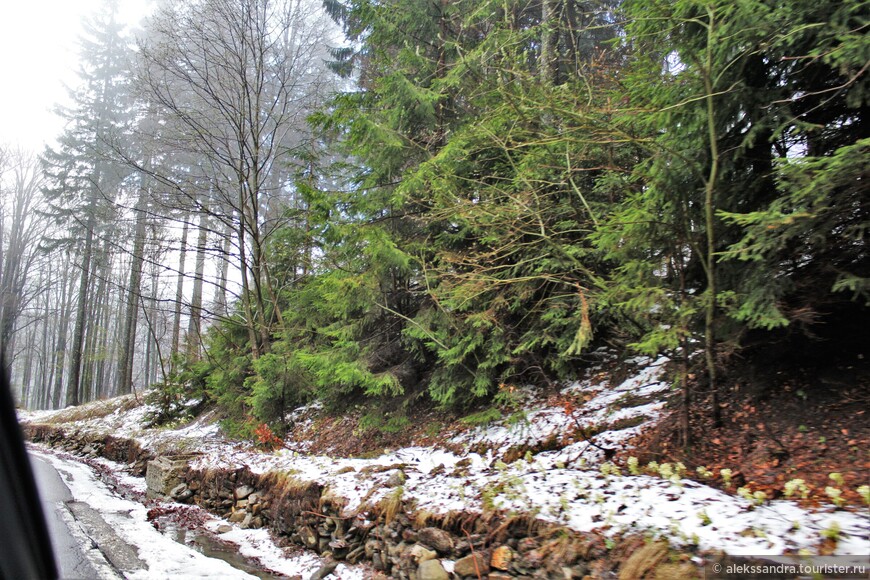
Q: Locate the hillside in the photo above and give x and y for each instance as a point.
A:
(567, 460)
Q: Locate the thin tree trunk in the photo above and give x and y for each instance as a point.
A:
(60, 344)
(179, 295)
(128, 334)
(220, 292)
(95, 328)
(709, 218)
(194, 325)
(246, 294)
(72, 393)
(549, 41)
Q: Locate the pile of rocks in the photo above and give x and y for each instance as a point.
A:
(120, 450)
(395, 539)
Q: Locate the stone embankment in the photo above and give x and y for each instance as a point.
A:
(391, 536)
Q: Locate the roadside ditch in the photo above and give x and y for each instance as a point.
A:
(390, 536)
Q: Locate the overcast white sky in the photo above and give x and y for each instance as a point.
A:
(38, 54)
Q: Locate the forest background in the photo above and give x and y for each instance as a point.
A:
(260, 203)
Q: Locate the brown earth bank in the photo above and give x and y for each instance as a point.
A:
(391, 537)
(778, 425)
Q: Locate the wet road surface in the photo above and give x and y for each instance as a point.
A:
(77, 556)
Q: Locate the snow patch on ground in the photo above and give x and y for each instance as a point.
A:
(598, 407)
(566, 486)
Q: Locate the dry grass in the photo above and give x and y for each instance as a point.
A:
(423, 517)
(391, 505)
(643, 560)
(93, 410)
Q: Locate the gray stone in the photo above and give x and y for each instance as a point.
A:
(309, 537)
(371, 546)
(396, 479)
(436, 538)
(432, 570)
(163, 474)
(246, 522)
(238, 517)
(422, 554)
(378, 562)
(466, 566)
(243, 491)
(224, 528)
(178, 490)
(324, 571)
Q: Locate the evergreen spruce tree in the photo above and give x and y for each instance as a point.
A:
(82, 177)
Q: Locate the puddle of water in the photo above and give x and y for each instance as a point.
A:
(209, 546)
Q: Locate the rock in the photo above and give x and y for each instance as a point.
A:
(224, 528)
(431, 570)
(355, 555)
(395, 550)
(533, 560)
(238, 516)
(178, 490)
(371, 547)
(309, 537)
(502, 558)
(324, 571)
(257, 522)
(243, 492)
(242, 504)
(396, 479)
(378, 562)
(162, 475)
(499, 576)
(578, 571)
(254, 498)
(437, 539)
(472, 565)
(421, 554)
(246, 522)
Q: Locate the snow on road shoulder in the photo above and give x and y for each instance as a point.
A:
(164, 557)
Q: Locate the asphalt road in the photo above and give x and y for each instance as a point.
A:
(77, 556)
